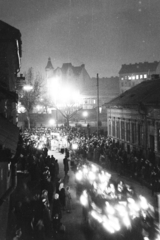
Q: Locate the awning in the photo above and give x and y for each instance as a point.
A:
(9, 134)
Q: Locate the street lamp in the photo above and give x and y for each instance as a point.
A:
(85, 115)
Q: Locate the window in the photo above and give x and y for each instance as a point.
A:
(126, 77)
(129, 78)
(133, 129)
(122, 78)
(109, 128)
(113, 128)
(141, 76)
(118, 130)
(122, 131)
(137, 76)
(94, 101)
(139, 134)
(145, 75)
(128, 131)
(158, 140)
(133, 77)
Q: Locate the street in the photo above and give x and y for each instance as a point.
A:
(73, 222)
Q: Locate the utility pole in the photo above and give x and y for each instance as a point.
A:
(97, 105)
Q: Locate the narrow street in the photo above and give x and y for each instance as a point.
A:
(74, 224)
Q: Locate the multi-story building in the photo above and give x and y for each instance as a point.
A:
(133, 74)
(134, 118)
(10, 56)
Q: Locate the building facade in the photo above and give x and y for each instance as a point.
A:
(133, 118)
(10, 56)
(133, 74)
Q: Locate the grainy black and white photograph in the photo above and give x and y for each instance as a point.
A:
(79, 119)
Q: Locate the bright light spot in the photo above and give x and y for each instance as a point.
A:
(94, 168)
(74, 146)
(27, 88)
(126, 221)
(79, 176)
(91, 176)
(109, 208)
(143, 203)
(52, 122)
(84, 198)
(96, 216)
(85, 114)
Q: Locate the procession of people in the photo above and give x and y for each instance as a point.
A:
(46, 197)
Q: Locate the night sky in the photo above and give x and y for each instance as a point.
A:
(102, 34)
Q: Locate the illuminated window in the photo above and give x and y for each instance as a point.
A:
(129, 77)
(94, 101)
(141, 76)
(122, 78)
(137, 76)
(133, 77)
(145, 75)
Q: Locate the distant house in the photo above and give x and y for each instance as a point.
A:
(133, 74)
(134, 117)
(78, 78)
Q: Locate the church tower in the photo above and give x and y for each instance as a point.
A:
(49, 69)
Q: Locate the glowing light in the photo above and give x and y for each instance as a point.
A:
(91, 176)
(94, 168)
(143, 203)
(85, 114)
(126, 221)
(109, 208)
(52, 122)
(27, 88)
(74, 146)
(96, 216)
(79, 176)
(84, 198)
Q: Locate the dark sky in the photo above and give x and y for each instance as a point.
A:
(102, 34)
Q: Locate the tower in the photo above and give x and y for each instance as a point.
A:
(49, 69)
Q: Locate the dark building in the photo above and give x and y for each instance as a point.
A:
(134, 117)
(10, 56)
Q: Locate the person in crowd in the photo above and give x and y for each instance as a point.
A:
(66, 165)
(68, 199)
(62, 196)
(56, 213)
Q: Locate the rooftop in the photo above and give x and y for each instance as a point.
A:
(145, 67)
(147, 92)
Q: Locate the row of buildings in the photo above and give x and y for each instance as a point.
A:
(10, 58)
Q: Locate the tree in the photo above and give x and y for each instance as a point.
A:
(31, 95)
(68, 112)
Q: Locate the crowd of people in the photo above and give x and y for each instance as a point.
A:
(114, 157)
(45, 197)
(40, 211)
